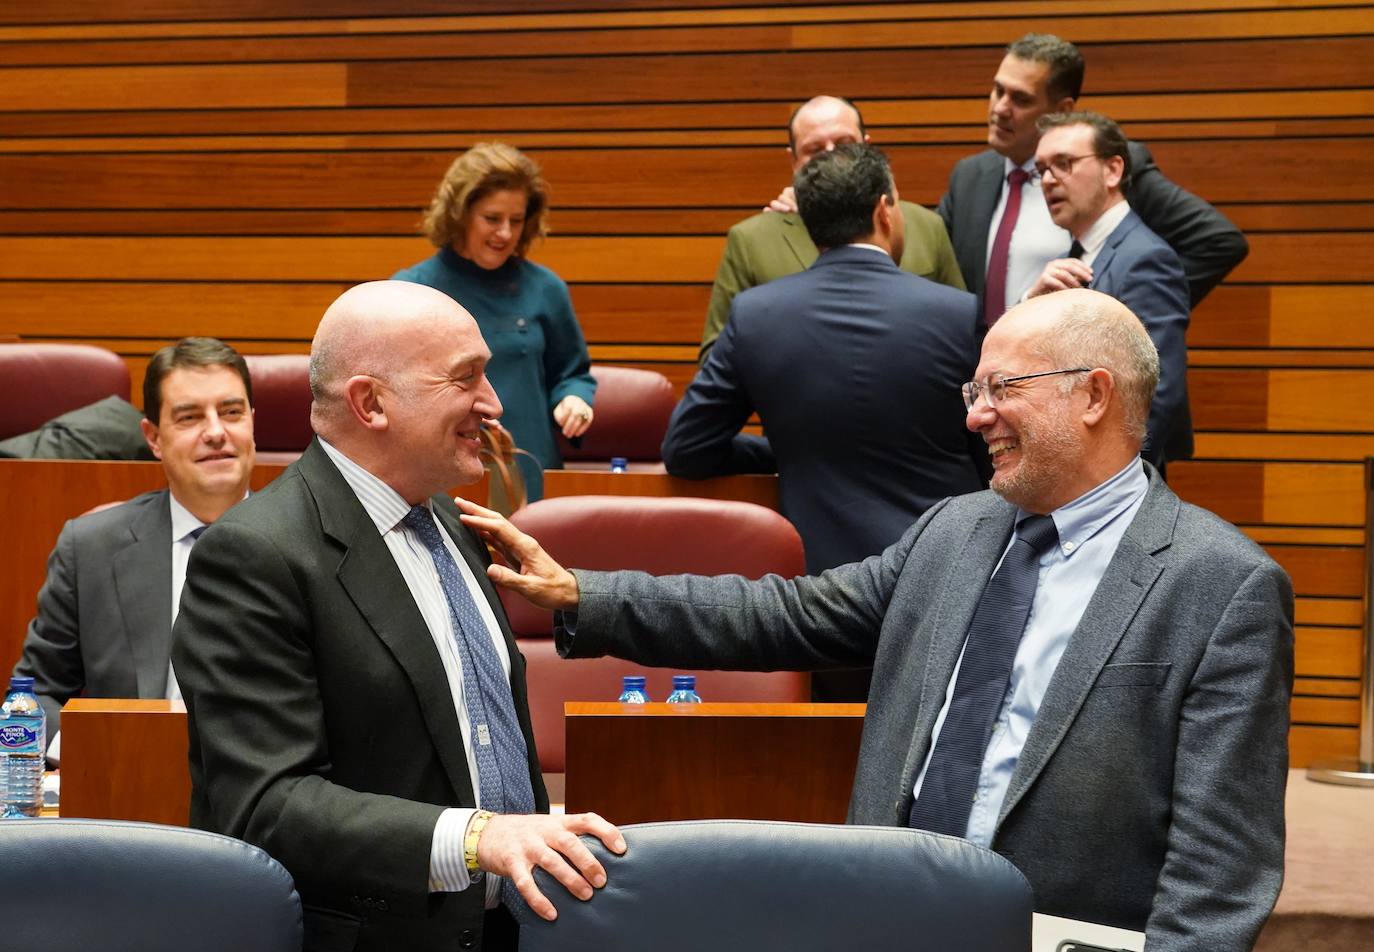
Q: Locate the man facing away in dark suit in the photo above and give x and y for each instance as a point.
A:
(1084, 167)
(1075, 668)
(352, 687)
(1041, 74)
(766, 246)
(104, 622)
(854, 367)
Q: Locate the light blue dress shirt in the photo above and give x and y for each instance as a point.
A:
(1090, 528)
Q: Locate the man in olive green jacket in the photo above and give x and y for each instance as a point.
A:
(771, 245)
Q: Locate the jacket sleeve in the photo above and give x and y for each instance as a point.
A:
(52, 645)
(567, 365)
(1204, 239)
(704, 438)
(733, 276)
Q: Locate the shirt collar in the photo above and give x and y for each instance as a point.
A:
(1096, 236)
(1080, 520)
(863, 244)
(183, 522)
(384, 505)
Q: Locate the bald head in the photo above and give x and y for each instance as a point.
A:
(820, 124)
(398, 377)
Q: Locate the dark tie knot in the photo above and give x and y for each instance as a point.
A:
(1038, 532)
(1076, 249)
(1017, 177)
(197, 532)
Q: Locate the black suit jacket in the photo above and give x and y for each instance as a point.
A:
(322, 725)
(854, 367)
(1207, 243)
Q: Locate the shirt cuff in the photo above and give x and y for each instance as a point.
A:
(447, 870)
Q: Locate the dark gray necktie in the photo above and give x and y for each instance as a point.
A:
(993, 636)
(498, 745)
(1075, 249)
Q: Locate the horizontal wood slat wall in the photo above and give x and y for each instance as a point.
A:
(174, 167)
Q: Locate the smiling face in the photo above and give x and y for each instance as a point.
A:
(1033, 434)
(204, 437)
(435, 404)
(1018, 99)
(493, 226)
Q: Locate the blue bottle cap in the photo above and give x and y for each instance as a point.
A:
(18, 683)
(684, 682)
(633, 682)
(619, 461)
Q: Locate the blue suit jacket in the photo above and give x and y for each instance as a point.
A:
(1137, 268)
(854, 367)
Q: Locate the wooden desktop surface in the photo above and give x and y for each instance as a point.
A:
(125, 760)
(640, 763)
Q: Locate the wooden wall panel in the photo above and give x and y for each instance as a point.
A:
(170, 167)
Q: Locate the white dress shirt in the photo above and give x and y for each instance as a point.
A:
(1096, 236)
(386, 508)
(1090, 528)
(1035, 241)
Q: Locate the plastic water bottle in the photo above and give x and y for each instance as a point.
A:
(684, 690)
(23, 742)
(632, 690)
(619, 464)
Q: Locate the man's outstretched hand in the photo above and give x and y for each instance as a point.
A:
(512, 845)
(532, 574)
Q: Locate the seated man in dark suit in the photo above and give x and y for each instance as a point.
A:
(1076, 669)
(1003, 235)
(767, 246)
(1084, 166)
(352, 687)
(104, 622)
(854, 367)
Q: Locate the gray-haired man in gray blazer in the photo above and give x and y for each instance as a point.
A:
(1134, 766)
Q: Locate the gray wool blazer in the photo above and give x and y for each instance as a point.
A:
(1150, 792)
(104, 622)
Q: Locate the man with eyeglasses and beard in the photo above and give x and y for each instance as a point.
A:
(1084, 165)
(1076, 669)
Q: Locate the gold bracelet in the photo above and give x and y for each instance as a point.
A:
(474, 833)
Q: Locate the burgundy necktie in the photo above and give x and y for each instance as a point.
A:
(995, 287)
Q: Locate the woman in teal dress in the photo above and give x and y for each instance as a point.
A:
(489, 208)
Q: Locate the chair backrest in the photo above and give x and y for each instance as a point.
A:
(632, 411)
(281, 401)
(42, 381)
(665, 536)
(105, 884)
(745, 885)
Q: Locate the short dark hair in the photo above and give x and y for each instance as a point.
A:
(1061, 56)
(838, 190)
(189, 352)
(1108, 139)
(792, 119)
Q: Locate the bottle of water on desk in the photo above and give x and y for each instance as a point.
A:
(684, 690)
(632, 691)
(619, 464)
(23, 742)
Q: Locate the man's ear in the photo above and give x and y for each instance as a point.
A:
(1114, 169)
(882, 215)
(365, 401)
(152, 436)
(1101, 390)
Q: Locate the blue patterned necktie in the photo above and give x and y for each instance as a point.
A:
(951, 780)
(503, 769)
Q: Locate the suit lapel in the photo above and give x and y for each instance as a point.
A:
(369, 576)
(798, 241)
(986, 194)
(1130, 575)
(982, 547)
(143, 583)
(1102, 264)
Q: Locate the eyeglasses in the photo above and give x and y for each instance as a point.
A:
(994, 386)
(1061, 165)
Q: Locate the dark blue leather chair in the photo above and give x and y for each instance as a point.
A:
(751, 885)
(77, 885)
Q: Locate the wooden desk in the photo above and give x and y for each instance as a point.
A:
(640, 763)
(125, 760)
